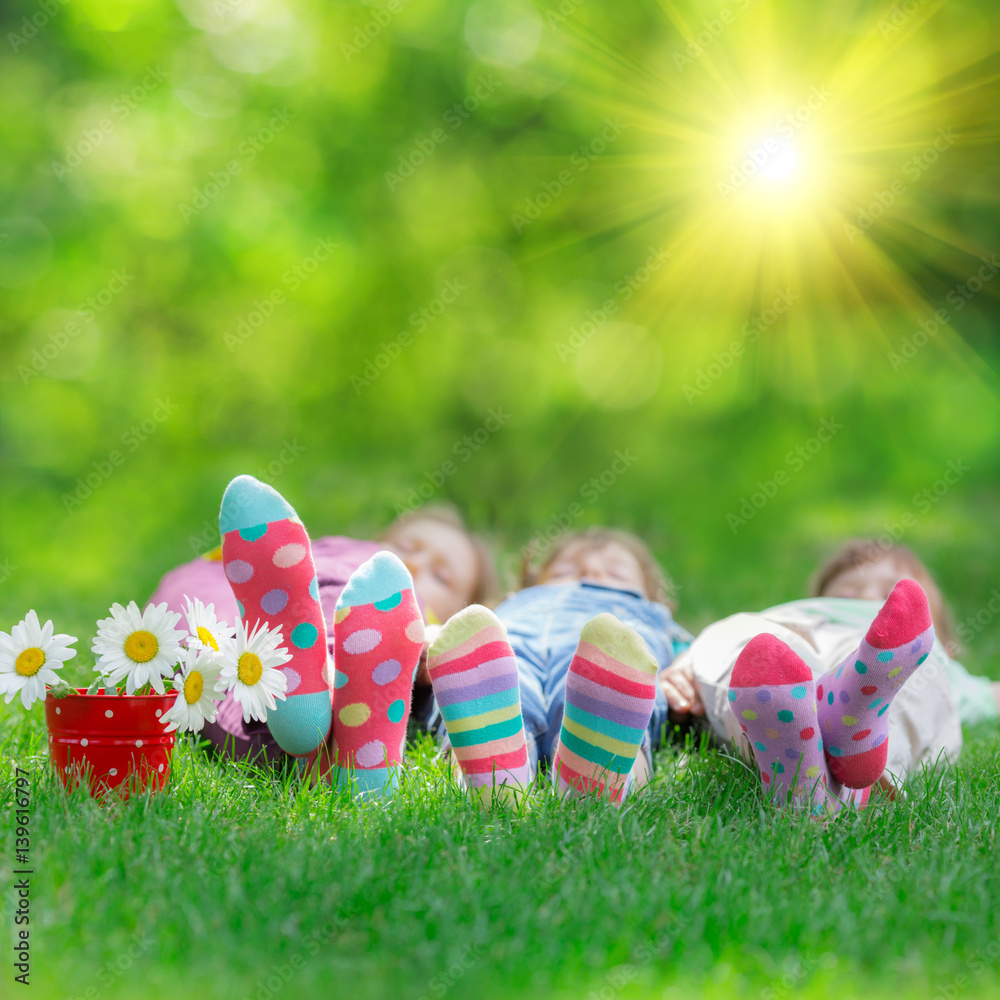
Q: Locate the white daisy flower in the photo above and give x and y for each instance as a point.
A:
(29, 656)
(249, 670)
(141, 648)
(206, 630)
(195, 687)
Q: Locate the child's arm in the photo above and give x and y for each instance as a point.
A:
(976, 698)
(677, 684)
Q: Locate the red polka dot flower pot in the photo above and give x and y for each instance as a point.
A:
(123, 742)
(113, 743)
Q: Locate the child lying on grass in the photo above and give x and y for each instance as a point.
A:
(564, 671)
(819, 743)
(923, 723)
(449, 568)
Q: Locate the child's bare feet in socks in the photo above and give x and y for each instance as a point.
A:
(379, 636)
(772, 695)
(854, 697)
(269, 564)
(474, 673)
(610, 691)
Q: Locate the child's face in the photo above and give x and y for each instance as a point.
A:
(872, 581)
(442, 561)
(612, 565)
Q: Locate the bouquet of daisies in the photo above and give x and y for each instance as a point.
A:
(145, 648)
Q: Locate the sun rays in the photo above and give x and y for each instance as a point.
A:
(820, 151)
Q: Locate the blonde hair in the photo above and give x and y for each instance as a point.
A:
(487, 586)
(659, 586)
(865, 551)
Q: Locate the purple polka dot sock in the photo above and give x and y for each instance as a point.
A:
(772, 695)
(854, 697)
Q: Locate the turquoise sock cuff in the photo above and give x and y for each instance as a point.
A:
(377, 780)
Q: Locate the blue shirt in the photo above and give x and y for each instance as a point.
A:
(543, 624)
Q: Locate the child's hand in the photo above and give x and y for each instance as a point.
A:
(677, 684)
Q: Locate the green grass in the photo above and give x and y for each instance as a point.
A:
(695, 887)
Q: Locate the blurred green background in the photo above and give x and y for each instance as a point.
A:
(229, 230)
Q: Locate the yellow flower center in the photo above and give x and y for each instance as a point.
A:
(207, 637)
(29, 661)
(141, 646)
(193, 687)
(249, 669)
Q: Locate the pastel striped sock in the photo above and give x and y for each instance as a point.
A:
(474, 674)
(854, 697)
(269, 564)
(610, 692)
(771, 693)
(379, 636)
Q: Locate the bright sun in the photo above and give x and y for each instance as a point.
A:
(815, 152)
(781, 160)
(774, 164)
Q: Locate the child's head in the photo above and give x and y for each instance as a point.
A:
(867, 569)
(451, 568)
(603, 555)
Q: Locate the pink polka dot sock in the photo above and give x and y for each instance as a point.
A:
(379, 636)
(854, 698)
(269, 564)
(772, 695)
